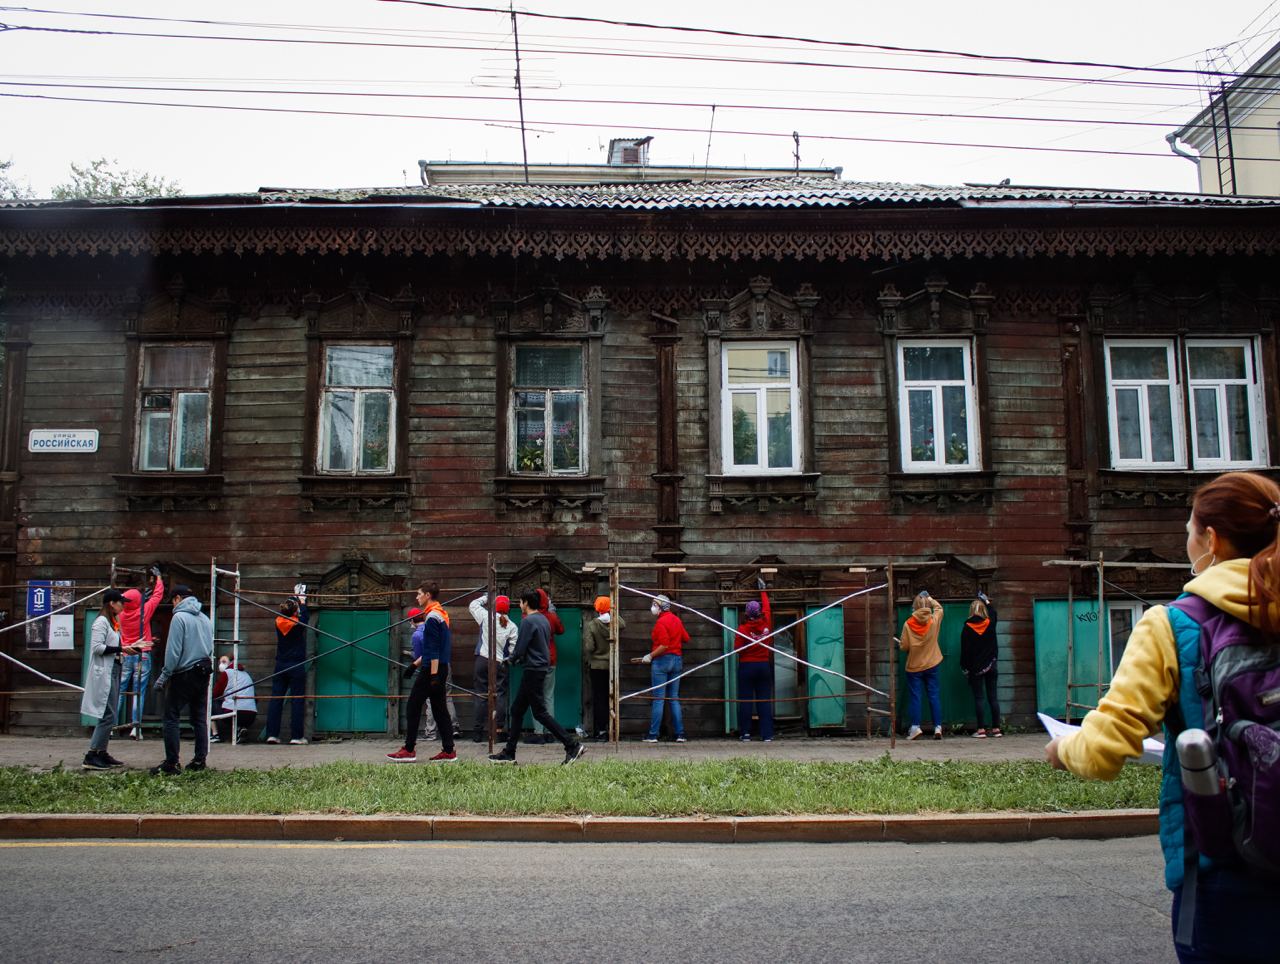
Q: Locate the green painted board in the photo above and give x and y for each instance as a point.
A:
(953, 686)
(350, 672)
(824, 646)
(568, 691)
(1050, 622)
(729, 616)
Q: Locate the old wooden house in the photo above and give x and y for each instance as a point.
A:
(364, 389)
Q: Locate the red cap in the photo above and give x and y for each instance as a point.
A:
(502, 604)
(414, 613)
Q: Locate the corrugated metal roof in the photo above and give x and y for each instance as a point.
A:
(778, 192)
(736, 194)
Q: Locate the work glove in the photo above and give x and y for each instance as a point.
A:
(924, 592)
(984, 598)
(300, 590)
(484, 599)
(760, 583)
(155, 570)
(408, 673)
(647, 658)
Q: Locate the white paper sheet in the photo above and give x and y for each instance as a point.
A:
(1152, 749)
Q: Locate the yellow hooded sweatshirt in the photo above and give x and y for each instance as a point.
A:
(1145, 684)
(919, 638)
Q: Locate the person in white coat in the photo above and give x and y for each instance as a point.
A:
(506, 632)
(102, 684)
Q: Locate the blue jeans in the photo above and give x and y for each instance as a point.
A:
(1234, 917)
(661, 673)
(929, 679)
(755, 689)
(137, 670)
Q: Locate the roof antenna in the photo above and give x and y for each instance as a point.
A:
(795, 136)
(524, 145)
(706, 164)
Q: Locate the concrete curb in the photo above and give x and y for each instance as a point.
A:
(932, 828)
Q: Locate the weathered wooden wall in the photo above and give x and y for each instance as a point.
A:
(72, 519)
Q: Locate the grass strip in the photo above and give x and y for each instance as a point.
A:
(739, 787)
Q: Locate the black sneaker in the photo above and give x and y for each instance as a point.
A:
(600, 738)
(195, 766)
(477, 737)
(575, 752)
(502, 757)
(110, 760)
(165, 770)
(95, 760)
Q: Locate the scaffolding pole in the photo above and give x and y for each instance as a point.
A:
(615, 688)
(1104, 623)
(491, 627)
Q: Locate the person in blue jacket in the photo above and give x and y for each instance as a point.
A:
(291, 668)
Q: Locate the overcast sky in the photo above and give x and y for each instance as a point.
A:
(454, 70)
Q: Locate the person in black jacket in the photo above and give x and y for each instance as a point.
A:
(978, 661)
(291, 658)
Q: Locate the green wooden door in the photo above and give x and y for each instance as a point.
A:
(350, 672)
(567, 707)
(953, 686)
(824, 646)
(1050, 622)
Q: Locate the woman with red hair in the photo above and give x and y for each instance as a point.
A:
(1233, 543)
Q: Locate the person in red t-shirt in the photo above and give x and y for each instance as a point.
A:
(666, 663)
(755, 671)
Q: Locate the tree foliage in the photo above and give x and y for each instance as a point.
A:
(11, 190)
(103, 178)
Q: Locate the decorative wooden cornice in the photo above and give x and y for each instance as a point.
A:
(934, 309)
(548, 312)
(638, 243)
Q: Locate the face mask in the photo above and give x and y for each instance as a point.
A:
(222, 665)
(604, 618)
(654, 609)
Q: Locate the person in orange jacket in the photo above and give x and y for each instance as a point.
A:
(919, 640)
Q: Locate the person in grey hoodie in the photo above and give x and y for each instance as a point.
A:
(188, 665)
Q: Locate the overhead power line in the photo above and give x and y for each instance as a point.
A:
(565, 51)
(606, 124)
(859, 45)
(699, 105)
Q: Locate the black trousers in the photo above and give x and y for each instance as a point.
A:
(245, 719)
(529, 697)
(480, 683)
(186, 691)
(429, 686)
(988, 682)
(599, 701)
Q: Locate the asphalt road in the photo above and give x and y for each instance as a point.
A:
(1058, 901)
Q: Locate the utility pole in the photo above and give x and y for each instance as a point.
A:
(524, 144)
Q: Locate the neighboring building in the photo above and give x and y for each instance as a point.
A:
(1237, 136)
(364, 389)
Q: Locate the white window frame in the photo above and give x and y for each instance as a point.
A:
(1182, 410)
(176, 393)
(581, 391)
(1135, 610)
(938, 463)
(1256, 402)
(727, 391)
(358, 417)
(1177, 394)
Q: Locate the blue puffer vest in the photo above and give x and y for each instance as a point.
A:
(1186, 635)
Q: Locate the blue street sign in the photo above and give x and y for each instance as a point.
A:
(39, 602)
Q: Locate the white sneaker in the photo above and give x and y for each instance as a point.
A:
(300, 741)
(650, 739)
(272, 739)
(914, 733)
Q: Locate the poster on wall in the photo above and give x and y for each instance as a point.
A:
(57, 630)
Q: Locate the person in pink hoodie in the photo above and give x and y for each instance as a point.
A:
(135, 630)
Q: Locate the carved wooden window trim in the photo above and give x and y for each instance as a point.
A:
(175, 317)
(360, 394)
(548, 316)
(761, 315)
(151, 398)
(582, 391)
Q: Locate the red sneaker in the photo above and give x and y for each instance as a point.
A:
(403, 755)
(443, 757)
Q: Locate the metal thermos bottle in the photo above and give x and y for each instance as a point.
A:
(1199, 762)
